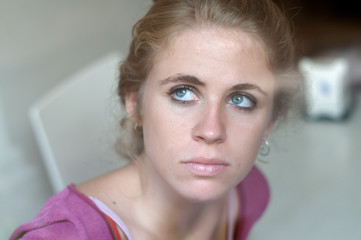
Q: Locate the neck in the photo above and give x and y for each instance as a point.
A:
(165, 214)
(182, 219)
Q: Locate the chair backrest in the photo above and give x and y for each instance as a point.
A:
(76, 124)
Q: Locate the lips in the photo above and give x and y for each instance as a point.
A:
(205, 167)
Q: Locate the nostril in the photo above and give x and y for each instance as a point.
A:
(209, 129)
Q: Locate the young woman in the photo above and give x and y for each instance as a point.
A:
(202, 86)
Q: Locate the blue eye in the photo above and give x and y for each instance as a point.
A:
(242, 101)
(180, 93)
(183, 94)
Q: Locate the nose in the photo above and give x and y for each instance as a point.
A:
(210, 126)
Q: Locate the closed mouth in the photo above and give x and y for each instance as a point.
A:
(206, 167)
(206, 161)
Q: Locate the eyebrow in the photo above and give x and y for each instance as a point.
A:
(248, 86)
(182, 78)
(195, 81)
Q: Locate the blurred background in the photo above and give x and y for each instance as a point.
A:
(314, 166)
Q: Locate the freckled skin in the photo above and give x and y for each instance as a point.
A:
(211, 126)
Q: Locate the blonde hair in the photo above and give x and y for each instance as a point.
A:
(166, 19)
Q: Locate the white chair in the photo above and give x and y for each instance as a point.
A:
(76, 124)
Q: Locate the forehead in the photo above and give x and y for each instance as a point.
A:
(211, 52)
(213, 39)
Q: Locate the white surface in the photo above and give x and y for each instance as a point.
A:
(314, 172)
(75, 126)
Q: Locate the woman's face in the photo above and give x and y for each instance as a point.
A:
(206, 105)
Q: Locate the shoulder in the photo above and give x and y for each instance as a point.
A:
(66, 215)
(125, 179)
(254, 196)
(118, 189)
(255, 191)
(56, 230)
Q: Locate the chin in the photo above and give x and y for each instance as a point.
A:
(205, 191)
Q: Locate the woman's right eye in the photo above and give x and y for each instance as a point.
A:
(183, 94)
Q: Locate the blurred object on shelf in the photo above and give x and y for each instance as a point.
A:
(327, 81)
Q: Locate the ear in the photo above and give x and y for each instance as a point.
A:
(268, 129)
(131, 100)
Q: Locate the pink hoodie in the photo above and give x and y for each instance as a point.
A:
(72, 215)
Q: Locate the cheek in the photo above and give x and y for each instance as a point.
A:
(245, 139)
(163, 128)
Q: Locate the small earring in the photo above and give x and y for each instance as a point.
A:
(137, 129)
(264, 150)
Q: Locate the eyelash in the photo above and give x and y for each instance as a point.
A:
(249, 97)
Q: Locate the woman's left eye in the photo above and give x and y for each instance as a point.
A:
(242, 101)
(183, 94)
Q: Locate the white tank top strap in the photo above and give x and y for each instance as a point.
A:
(105, 209)
(231, 214)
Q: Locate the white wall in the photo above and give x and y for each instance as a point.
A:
(41, 43)
(3, 131)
